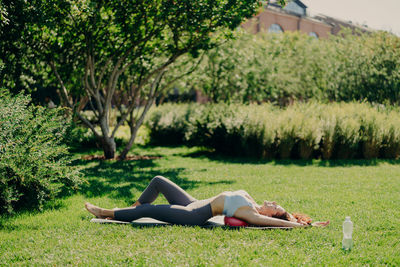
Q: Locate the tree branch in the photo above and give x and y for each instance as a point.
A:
(88, 124)
(61, 82)
(70, 105)
(134, 125)
(91, 70)
(86, 82)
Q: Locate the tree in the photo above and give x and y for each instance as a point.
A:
(3, 14)
(11, 39)
(105, 53)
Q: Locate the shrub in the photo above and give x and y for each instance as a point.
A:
(259, 132)
(78, 137)
(390, 147)
(340, 131)
(288, 123)
(33, 161)
(371, 131)
(214, 126)
(169, 124)
(303, 130)
(329, 127)
(309, 133)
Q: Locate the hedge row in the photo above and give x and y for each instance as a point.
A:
(327, 131)
(34, 162)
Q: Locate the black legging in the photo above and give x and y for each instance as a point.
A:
(183, 209)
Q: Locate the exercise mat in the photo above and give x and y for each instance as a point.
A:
(216, 221)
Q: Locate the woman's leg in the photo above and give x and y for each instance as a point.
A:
(172, 192)
(196, 213)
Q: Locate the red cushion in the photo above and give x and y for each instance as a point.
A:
(232, 221)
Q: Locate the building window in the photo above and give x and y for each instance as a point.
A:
(313, 34)
(296, 7)
(275, 28)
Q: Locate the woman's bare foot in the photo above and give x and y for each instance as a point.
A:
(96, 211)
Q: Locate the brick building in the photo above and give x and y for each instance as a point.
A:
(294, 17)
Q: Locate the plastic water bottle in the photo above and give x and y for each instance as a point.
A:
(347, 242)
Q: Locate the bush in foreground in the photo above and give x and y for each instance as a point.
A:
(328, 131)
(33, 161)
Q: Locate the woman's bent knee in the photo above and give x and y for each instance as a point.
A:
(158, 178)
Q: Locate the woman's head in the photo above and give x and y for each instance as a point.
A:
(272, 209)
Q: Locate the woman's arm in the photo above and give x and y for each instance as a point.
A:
(252, 217)
(320, 224)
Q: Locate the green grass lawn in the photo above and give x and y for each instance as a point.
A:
(368, 191)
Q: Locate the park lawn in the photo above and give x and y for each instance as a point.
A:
(368, 191)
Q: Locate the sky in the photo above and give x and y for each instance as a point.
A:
(377, 14)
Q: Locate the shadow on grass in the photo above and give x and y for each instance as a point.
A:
(212, 155)
(7, 220)
(116, 179)
(210, 227)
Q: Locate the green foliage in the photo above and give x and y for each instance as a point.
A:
(3, 15)
(336, 130)
(33, 161)
(78, 137)
(281, 68)
(96, 52)
(104, 47)
(368, 67)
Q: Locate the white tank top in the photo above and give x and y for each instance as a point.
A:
(233, 201)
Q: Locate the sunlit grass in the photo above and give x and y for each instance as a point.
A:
(368, 191)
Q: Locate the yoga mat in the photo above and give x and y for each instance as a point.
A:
(216, 221)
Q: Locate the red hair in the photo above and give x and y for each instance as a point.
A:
(295, 217)
(302, 218)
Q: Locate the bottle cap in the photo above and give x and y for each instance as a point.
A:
(347, 218)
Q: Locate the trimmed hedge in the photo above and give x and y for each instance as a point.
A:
(33, 160)
(302, 130)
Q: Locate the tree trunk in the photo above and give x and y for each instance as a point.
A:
(109, 147)
(135, 125)
(128, 146)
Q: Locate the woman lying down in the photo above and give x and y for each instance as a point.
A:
(183, 209)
